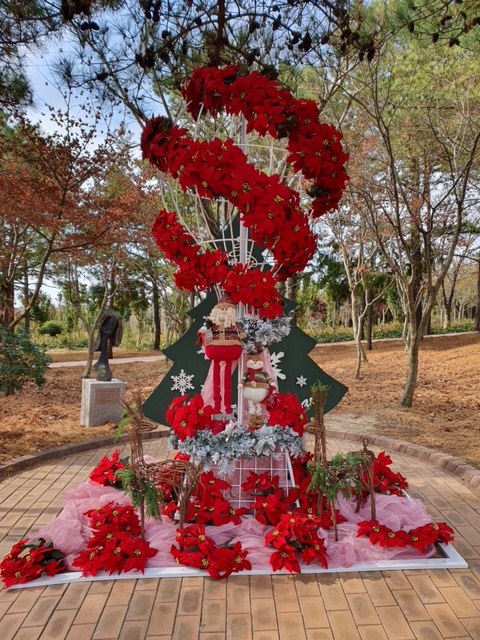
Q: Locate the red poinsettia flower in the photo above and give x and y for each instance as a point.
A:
(386, 481)
(236, 514)
(194, 536)
(115, 517)
(269, 509)
(286, 410)
(444, 532)
(394, 538)
(136, 552)
(90, 561)
(105, 471)
(170, 509)
(186, 416)
(423, 537)
(285, 558)
(214, 510)
(223, 561)
(112, 558)
(315, 551)
(211, 485)
(276, 538)
(261, 483)
(375, 531)
(196, 559)
(29, 560)
(255, 288)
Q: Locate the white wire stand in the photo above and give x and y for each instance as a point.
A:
(278, 464)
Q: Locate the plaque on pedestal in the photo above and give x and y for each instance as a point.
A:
(101, 402)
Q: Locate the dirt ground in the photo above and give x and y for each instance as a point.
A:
(445, 414)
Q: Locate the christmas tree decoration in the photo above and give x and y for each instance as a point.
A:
(241, 492)
(246, 232)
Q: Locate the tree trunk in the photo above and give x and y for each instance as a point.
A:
(428, 325)
(369, 320)
(412, 374)
(7, 301)
(477, 307)
(26, 320)
(448, 314)
(156, 316)
(356, 326)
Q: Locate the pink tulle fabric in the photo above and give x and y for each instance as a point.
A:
(70, 531)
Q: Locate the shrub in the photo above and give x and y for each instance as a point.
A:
(51, 328)
(20, 361)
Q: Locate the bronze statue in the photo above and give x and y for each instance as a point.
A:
(109, 335)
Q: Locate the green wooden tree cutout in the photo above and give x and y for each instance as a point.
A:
(296, 371)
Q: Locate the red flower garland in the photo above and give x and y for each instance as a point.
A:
(270, 209)
(315, 147)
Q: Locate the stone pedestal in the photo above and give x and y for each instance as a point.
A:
(101, 402)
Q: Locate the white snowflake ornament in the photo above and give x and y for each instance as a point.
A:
(275, 362)
(182, 382)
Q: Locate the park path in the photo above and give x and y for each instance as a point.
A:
(82, 363)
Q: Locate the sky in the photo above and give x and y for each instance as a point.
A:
(47, 93)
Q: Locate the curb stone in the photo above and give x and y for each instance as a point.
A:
(16, 465)
(469, 474)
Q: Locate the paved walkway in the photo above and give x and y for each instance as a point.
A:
(398, 605)
(82, 363)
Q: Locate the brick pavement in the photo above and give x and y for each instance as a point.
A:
(398, 605)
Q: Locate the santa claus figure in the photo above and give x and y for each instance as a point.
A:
(221, 340)
(256, 385)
